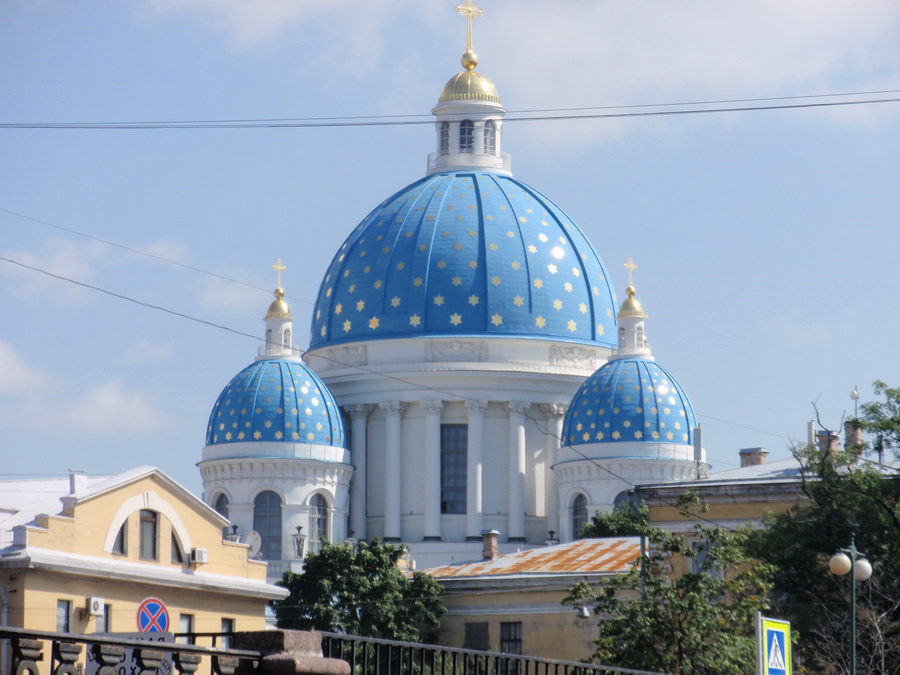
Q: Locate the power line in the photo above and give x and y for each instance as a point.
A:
(411, 120)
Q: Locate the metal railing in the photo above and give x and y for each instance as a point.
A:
(71, 654)
(371, 656)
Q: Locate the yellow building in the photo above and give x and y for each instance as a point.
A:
(134, 552)
(512, 603)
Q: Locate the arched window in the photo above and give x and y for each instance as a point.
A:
(445, 137)
(466, 136)
(267, 522)
(490, 137)
(621, 337)
(269, 336)
(318, 522)
(221, 505)
(639, 338)
(579, 515)
(286, 338)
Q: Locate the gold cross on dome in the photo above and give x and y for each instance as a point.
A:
(471, 12)
(631, 267)
(278, 267)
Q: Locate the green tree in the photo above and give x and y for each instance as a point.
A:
(622, 521)
(361, 591)
(661, 616)
(848, 496)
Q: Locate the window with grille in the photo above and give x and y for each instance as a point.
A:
(490, 137)
(318, 522)
(466, 136)
(267, 522)
(454, 451)
(445, 137)
(579, 515)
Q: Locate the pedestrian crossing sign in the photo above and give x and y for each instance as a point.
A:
(773, 638)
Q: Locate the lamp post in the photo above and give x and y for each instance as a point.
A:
(840, 564)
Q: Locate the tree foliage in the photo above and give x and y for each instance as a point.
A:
(662, 617)
(361, 591)
(849, 497)
(623, 521)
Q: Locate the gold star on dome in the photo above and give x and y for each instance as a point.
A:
(568, 287)
(576, 272)
(378, 284)
(268, 424)
(626, 423)
(599, 435)
(538, 283)
(586, 436)
(616, 435)
(374, 323)
(473, 264)
(439, 300)
(395, 301)
(532, 248)
(543, 237)
(516, 265)
(257, 435)
(557, 304)
(441, 264)
(638, 435)
(352, 288)
(497, 319)
(456, 281)
(241, 435)
(366, 270)
(338, 308)
(518, 301)
(493, 247)
(540, 322)
(415, 320)
(473, 300)
(572, 326)
(582, 307)
(552, 268)
(669, 435)
(361, 305)
(347, 325)
(328, 293)
(418, 281)
(322, 331)
(457, 247)
(295, 436)
(455, 319)
(228, 436)
(278, 435)
(510, 234)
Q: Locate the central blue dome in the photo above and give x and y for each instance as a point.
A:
(466, 253)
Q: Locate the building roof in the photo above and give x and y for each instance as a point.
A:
(611, 555)
(630, 400)
(466, 253)
(276, 400)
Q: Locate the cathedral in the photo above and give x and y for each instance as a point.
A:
(469, 369)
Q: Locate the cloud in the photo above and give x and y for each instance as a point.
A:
(17, 377)
(110, 408)
(172, 251)
(221, 294)
(66, 260)
(145, 351)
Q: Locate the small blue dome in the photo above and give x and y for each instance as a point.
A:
(632, 399)
(276, 400)
(466, 253)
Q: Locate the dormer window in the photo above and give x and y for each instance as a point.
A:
(466, 136)
(490, 137)
(445, 137)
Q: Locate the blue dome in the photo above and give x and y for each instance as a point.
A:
(466, 253)
(276, 400)
(632, 400)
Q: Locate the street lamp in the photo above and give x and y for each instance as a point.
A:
(840, 564)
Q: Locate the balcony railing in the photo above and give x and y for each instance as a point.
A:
(369, 656)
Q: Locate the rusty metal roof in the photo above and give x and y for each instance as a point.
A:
(610, 555)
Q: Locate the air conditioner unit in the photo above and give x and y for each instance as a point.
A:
(199, 556)
(95, 606)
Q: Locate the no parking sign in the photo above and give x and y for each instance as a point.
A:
(152, 616)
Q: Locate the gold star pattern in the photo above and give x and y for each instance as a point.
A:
(538, 283)
(456, 281)
(572, 326)
(473, 300)
(497, 319)
(395, 302)
(439, 300)
(540, 322)
(418, 281)
(415, 320)
(361, 305)
(455, 319)
(374, 322)
(582, 308)
(338, 308)
(347, 326)
(557, 304)
(518, 301)
(495, 281)
(553, 269)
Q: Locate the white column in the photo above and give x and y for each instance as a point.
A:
(432, 469)
(358, 417)
(555, 413)
(393, 411)
(516, 522)
(474, 469)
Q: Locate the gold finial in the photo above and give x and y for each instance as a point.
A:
(471, 12)
(631, 267)
(279, 268)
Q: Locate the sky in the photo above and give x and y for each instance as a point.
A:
(766, 240)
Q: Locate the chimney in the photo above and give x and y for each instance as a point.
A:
(753, 456)
(853, 438)
(489, 541)
(77, 481)
(827, 442)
